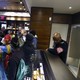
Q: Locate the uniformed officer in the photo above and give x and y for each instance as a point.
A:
(60, 47)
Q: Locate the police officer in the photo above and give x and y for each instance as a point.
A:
(60, 47)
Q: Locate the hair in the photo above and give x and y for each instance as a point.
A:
(56, 36)
(23, 31)
(33, 32)
(29, 38)
(14, 42)
(1, 34)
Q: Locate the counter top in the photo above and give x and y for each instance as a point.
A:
(60, 70)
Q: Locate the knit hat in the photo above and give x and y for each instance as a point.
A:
(7, 38)
(29, 38)
(33, 32)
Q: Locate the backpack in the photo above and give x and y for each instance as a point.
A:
(22, 70)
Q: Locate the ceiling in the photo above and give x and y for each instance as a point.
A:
(60, 6)
(11, 5)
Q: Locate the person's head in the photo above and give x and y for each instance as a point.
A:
(33, 32)
(29, 39)
(15, 43)
(9, 31)
(57, 37)
(20, 28)
(2, 28)
(27, 29)
(7, 39)
(23, 32)
(1, 34)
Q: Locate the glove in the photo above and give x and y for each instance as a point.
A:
(59, 50)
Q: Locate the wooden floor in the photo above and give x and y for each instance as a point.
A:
(60, 70)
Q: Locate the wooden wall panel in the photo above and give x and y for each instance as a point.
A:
(76, 18)
(41, 24)
(62, 18)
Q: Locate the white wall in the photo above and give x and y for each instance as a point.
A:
(61, 28)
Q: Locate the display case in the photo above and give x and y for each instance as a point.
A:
(73, 59)
(41, 69)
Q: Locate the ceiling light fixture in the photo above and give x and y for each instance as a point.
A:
(20, 2)
(24, 9)
(23, 6)
(70, 7)
(20, 8)
(50, 18)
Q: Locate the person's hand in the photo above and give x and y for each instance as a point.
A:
(59, 50)
(47, 49)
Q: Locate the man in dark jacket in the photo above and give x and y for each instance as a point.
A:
(24, 53)
(60, 47)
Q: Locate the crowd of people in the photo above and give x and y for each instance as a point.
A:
(16, 46)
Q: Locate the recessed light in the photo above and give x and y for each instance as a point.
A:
(20, 8)
(50, 18)
(20, 2)
(23, 6)
(24, 9)
(70, 7)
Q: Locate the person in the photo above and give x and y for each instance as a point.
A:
(14, 60)
(24, 53)
(28, 47)
(33, 32)
(1, 36)
(6, 49)
(5, 53)
(60, 47)
(19, 30)
(22, 37)
(3, 75)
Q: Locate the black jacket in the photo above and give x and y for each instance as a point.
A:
(25, 54)
(64, 45)
(13, 64)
